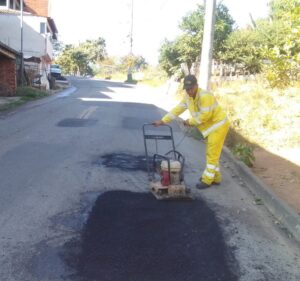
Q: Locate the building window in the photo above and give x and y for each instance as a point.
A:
(11, 4)
(3, 3)
(42, 27)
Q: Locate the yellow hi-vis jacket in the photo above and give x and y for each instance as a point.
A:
(206, 114)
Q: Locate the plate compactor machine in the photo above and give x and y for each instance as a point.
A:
(165, 171)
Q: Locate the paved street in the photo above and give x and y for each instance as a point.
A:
(75, 202)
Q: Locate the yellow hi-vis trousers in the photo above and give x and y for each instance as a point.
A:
(214, 145)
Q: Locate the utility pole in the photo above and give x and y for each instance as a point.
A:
(207, 44)
(129, 72)
(131, 28)
(22, 57)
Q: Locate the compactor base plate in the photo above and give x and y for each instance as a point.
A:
(170, 192)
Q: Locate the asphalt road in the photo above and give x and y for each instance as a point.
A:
(74, 200)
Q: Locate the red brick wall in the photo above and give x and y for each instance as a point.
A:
(8, 80)
(37, 7)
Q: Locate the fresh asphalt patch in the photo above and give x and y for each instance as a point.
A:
(134, 237)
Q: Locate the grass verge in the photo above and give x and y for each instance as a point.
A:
(260, 116)
(23, 95)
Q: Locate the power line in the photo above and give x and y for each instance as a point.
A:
(131, 28)
(22, 56)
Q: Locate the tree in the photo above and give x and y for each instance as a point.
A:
(283, 53)
(272, 45)
(192, 25)
(95, 49)
(187, 47)
(223, 28)
(135, 63)
(58, 47)
(169, 58)
(243, 47)
(73, 61)
(79, 59)
(283, 9)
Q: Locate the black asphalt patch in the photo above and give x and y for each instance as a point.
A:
(133, 237)
(76, 122)
(123, 161)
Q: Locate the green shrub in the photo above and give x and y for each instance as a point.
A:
(29, 93)
(244, 153)
(23, 95)
(282, 67)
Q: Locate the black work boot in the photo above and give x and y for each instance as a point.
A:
(202, 185)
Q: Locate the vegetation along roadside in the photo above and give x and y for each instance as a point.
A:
(23, 95)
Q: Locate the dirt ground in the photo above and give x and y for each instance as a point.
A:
(281, 175)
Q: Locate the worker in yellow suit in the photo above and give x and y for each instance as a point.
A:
(210, 120)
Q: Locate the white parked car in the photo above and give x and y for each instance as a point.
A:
(55, 70)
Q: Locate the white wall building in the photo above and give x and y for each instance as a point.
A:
(36, 41)
(38, 33)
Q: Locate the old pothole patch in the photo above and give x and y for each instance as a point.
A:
(123, 161)
(76, 122)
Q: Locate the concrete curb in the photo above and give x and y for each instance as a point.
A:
(284, 213)
(66, 92)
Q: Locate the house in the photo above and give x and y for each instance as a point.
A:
(8, 70)
(38, 34)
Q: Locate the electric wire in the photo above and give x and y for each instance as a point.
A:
(181, 140)
(184, 129)
(187, 132)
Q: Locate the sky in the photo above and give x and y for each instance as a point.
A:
(153, 21)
